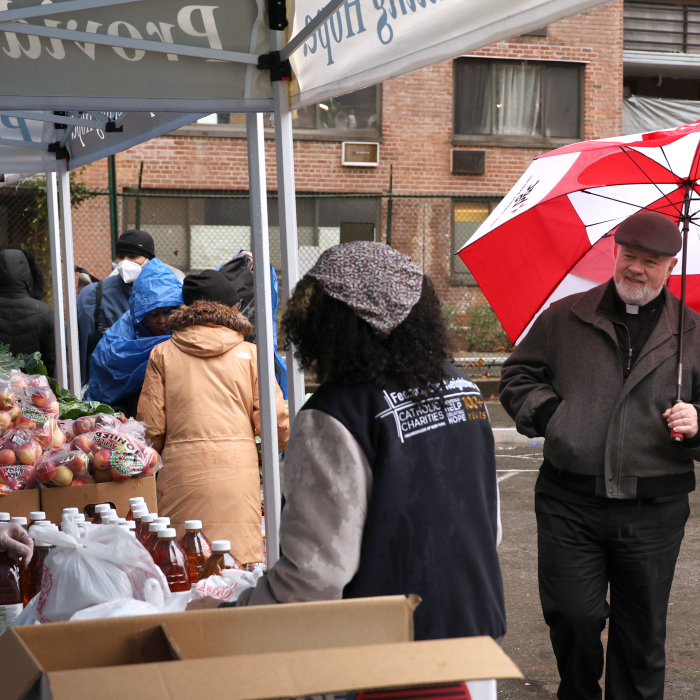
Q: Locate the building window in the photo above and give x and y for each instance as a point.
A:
(652, 26)
(356, 114)
(198, 232)
(467, 216)
(517, 99)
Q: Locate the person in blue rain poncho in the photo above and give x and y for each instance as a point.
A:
(118, 365)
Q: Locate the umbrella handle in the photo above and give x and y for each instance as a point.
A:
(676, 436)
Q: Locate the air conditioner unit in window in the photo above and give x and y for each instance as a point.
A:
(360, 154)
(468, 162)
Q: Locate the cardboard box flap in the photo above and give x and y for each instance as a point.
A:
(62, 646)
(25, 668)
(292, 674)
(157, 644)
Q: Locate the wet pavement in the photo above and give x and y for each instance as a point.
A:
(527, 641)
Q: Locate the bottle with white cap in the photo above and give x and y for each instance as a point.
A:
(100, 510)
(162, 519)
(19, 520)
(142, 528)
(131, 525)
(133, 502)
(10, 590)
(36, 516)
(110, 519)
(71, 511)
(172, 560)
(4, 517)
(152, 538)
(32, 575)
(196, 546)
(220, 559)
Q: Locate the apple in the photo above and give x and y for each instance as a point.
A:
(15, 412)
(117, 476)
(83, 444)
(53, 408)
(70, 436)
(83, 425)
(44, 437)
(7, 400)
(78, 482)
(5, 419)
(29, 453)
(7, 458)
(19, 382)
(58, 438)
(63, 477)
(76, 461)
(37, 381)
(25, 423)
(100, 460)
(102, 476)
(29, 477)
(43, 397)
(154, 459)
(45, 471)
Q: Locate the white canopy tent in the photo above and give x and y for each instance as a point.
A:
(89, 60)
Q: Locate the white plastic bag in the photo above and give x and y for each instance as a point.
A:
(229, 586)
(104, 565)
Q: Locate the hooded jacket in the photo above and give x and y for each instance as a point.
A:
(118, 365)
(200, 403)
(26, 323)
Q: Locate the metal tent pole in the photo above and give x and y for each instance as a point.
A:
(263, 322)
(69, 276)
(288, 221)
(59, 326)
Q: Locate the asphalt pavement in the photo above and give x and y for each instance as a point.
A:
(527, 640)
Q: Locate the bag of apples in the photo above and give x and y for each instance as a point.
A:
(18, 456)
(63, 468)
(116, 451)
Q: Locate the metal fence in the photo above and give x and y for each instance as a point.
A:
(199, 230)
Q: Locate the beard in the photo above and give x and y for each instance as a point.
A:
(633, 293)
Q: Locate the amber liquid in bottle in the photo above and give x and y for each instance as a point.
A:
(169, 556)
(217, 562)
(198, 549)
(10, 591)
(32, 574)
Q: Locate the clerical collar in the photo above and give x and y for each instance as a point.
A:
(631, 309)
(650, 308)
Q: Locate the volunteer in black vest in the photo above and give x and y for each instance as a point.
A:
(101, 304)
(390, 474)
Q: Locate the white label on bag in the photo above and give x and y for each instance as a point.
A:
(8, 614)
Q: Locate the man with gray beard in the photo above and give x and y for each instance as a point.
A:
(596, 376)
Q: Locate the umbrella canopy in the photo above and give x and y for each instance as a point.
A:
(551, 236)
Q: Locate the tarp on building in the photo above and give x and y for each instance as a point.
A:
(643, 114)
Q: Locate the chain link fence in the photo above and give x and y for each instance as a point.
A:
(194, 231)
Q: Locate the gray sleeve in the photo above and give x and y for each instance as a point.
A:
(327, 485)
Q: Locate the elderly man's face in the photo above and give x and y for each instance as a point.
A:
(640, 274)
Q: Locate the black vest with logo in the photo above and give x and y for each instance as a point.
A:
(432, 516)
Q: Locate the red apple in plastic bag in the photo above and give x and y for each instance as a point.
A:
(101, 476)
(44, 437)
(15, 412)
(25, 423)
(63, 477)
(76, 461)
(83, 425)
(29, 453)
(105, 421)
(43, 397)
(58, 438)
(45, 471)
(118, 476)
(7, 400)
(7, 458)
(84, 444)
(100, 460)
(5, 420)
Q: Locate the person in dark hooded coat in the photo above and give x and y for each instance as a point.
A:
(26, 322)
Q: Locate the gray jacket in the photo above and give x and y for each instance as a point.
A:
(604, 426)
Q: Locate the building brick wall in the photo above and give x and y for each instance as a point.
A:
(416, 141)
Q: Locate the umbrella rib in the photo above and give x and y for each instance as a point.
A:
(619, 201)
(626, 152)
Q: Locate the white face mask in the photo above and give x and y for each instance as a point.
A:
(128, 270)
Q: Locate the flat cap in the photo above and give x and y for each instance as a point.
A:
(650, 231)
(209, 285)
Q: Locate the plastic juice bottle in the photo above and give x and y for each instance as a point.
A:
(4, 517)
(133, 503)
(10, 591)
(19, 520)
(100, 510)
(162, 519)
(169, 556)
(142, 529)
(152, 539)
(70, 511)
(196, 546)
(220, 559)
(36, 516)
(138, 512)
(31, 576)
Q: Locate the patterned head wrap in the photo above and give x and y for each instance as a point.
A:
(377, 282)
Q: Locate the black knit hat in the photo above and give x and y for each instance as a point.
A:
(209, 285)
(136, 242)
(650, 231)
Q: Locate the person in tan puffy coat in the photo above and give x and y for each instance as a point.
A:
(200, 402)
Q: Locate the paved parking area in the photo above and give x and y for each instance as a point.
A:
(527, 641)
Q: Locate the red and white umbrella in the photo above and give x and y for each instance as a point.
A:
(551, 236)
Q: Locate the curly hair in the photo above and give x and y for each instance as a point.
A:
(341, 348)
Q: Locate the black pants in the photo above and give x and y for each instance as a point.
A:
(631, 545)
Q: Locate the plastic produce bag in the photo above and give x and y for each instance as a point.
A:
(63, 468)
(102, 566)
(19, 452)
(229, 586)
(29, 404)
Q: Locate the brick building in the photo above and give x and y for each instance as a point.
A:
(462, 132)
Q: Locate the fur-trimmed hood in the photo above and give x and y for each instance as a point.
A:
(210, 312)
(208, 329)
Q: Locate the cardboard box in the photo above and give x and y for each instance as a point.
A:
(18, 503)
(118, 493)
(277, 651)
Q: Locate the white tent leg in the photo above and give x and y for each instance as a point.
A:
(69, 278)
(263, 320)
(288, 229)
(59, 325)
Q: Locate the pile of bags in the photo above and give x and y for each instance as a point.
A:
(38, 447)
